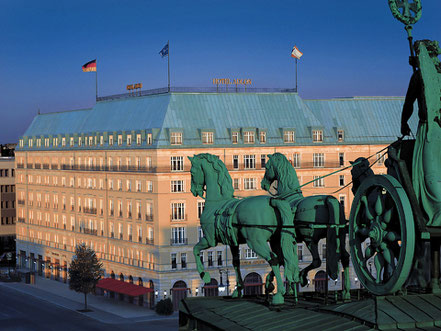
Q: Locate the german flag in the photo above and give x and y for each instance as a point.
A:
(90, 66)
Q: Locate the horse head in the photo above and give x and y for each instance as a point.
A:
(279, 168)
(270, 175)
(209, 173)
(197, 177)
(360, 170)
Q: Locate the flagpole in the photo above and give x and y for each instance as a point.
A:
(296, 76)
(96, 80)
(168, 43)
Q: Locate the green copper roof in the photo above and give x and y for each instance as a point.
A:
(364, 120)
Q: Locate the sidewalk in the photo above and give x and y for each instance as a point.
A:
(106, 310)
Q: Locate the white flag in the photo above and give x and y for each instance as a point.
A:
(296, 53)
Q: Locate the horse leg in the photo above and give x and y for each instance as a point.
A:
(345, 262)
(316, 262)
(261, 248)
(269, 286)
(201, 245)
(236, 264)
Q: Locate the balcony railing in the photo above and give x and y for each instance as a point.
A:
(149, 241)
(179, 241)
(178, 217)
(149, 217)
(89, 210)
(21, 202)
(20, 165)
(45, 166)
(21, 220)
(91, 231)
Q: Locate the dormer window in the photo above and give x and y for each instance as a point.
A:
(340, 135)
(138, 139)
(71, 141)
(21, 143)
(288, 136)
(30, 142)
(119, 140)
(262, 137)
(63, 142)
(207, 138)
(248, 137)
(46, 142)
(176, 138)
(149, 139)
(129, 140)
(110, 140)
(90, 141)
(101, 140)
(39, 142)
(317, 136)
(80, 141)
(235, 137)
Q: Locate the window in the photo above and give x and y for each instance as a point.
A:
(340, 135)
(138, 139)
(207, 138)
(317, 136)
(319, 160)
(248, 137)
(319, 181)
(129, 140)
(249, 183)
(219, 258)
(30, 142)
(262, 137)
(380, 159)
(46, 142)
(342, 199)
(300, 252)
(250, 254)
(110, 140)
(149, 186)
(173, 260)
(178, 235)
(149, 139)
(21, 143)
(71, 141)
(176, 138)
(90, 141)
(177, 163)
(178, 211)
(200, 233)
(235, 162)
(177, 186)
(235, 137)
(296, 160)
(183, 260)
(148, 163)
(341, 159)
(149, 211)
(63, 142)
(129, 185)
(201, 205)
(138, 186)
(210, 258)
(288, 137)
(249, 161)
(324, 251)
(101, 140)
(236, 183)
(342, 180)
(262, 160)
(119, 140)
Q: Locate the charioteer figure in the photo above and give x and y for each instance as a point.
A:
(425, 87)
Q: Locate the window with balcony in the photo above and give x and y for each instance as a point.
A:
(318, 160)
(201, 205)
(235, 162)
(249, 161)
(207, 138)
(296, 160)
(248, 137)
(317, 136)
(178, 236)
(176, 138)
(178, 211)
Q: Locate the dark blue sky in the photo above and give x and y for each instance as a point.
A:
(351, 48)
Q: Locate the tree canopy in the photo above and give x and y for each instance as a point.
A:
(85, 271)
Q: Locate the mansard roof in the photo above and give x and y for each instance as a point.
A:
(363, 119)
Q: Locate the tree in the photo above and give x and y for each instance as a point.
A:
(85, 271)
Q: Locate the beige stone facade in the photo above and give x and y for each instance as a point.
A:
(7, 185)
(135, 209)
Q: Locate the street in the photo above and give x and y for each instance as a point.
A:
(24, 312)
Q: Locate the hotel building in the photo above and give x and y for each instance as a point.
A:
(116, 177)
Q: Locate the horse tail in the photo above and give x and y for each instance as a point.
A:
(288, 237)
(333, 242)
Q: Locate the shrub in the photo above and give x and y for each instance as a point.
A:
(164, 307)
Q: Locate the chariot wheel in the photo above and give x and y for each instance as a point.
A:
(381, 234)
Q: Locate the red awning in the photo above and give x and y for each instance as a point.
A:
(122, 287)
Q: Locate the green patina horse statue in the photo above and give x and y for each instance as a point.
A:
(233, 222)
(314, 218)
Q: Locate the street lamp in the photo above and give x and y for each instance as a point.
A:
(222, 287)
(197, 291)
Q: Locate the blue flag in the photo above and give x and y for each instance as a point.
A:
(164, 51)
